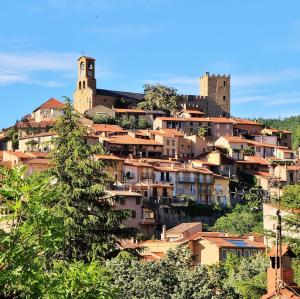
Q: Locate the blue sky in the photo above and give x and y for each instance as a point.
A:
(141, 41)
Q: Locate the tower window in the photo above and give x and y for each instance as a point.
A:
(83, 84)
(79, 85)
(224, 83)
(224, 98)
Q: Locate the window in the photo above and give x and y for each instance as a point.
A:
(137, 201)
(133, 214)
(246, 253)
(224, 83)
(173, 152)
(173, 142)
(168, 142)
(145, 193)
(79, 85)
(83, 84)
(224, 254)
(239, 252)
(168, 152)
(291, 175)
(191, 123)
(122, 200)
(224, 98)
(253, 252)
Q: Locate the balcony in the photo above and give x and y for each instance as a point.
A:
(187, 180)
(148, 221)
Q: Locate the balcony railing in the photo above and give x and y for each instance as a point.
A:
(148, 221)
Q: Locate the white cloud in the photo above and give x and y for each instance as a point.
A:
(38, 61)
(239, 80)
(29, 68)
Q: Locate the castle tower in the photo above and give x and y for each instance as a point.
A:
(217, 88)
(85, 92)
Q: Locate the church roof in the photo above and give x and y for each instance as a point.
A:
(122, 94)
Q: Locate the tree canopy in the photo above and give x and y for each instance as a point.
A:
(160, 97)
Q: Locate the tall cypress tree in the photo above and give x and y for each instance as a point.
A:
(93, 227)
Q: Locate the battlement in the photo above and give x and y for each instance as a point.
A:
(215, 76)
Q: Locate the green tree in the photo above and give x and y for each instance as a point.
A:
(93, 228)
(127, 122)
(242, 220)
(160, 97)
(247, 275)
(172, 277)
(34, 236)
(202, 132)
(13, 136)
(31, 145)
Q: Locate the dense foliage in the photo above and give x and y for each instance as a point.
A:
(160, 97)
(126, 122)
(93, 227)
(243, 219)
(173, 277)
(291, 123)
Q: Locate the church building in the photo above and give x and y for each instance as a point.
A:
(214, 98)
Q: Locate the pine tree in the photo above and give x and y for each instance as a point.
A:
(93, 227)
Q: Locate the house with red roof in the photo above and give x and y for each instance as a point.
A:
(48, 111)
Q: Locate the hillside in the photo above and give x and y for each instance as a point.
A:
(291, 123)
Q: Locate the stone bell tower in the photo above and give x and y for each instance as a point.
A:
(85, 92)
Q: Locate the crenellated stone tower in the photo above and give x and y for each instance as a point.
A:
(217, 89)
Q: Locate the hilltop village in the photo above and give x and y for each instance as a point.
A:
(198, 156)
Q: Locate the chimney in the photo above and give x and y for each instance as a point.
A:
(163, 234)
(284, 269)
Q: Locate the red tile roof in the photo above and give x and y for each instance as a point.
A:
(107, 128)
(51, 104)
(126, 139)
(198, 119)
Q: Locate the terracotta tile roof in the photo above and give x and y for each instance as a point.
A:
(192, 111)
(241, 121)
(33, 124)
(182, 169)
(263, 174)
(126, 139)
(38, 154)
(254, 160)
(38, 161)
(20, 154)
(107, 128)
(108, 157)
(123, 193)
(137, 163)
(45, 134)
(285, 249)
(51, 104)
(125, 110)
(293, 167)
(7, 164)
(178, 229)
(168, 132)
(198, 119)
(229, 242)
(236, 139)
(277, 130)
